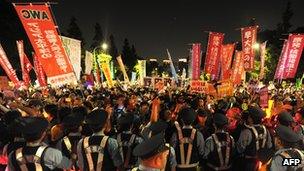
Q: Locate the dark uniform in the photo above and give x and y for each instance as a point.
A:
(254, 142)
(150, 148)
(188, 143)
(36, 155)
(219, 148)
(98, 152)
(288, 136)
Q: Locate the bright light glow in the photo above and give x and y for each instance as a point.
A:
(256, 46)
(104, 46)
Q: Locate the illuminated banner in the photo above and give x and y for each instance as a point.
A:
(264, 97)
(173, 71)
(142, 70)
(39, 72)
(104, 61)
(213, 54)
(6, 65)
(225, 90)
(263, 56)
(123, 69)
(282, 61)
(73, 50)
(88, 63)
(249, 35)
(196, 61)
(238, 68)
(226, 54)
(294, 52)
(41, 30)
(26, 66)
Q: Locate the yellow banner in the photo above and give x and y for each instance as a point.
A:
(123, 69)
(104, 60)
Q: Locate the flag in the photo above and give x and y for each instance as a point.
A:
(123, 69)
(173, 71)
(42, 33)
(26, 66)
(212, 59)
(226, 59)
(238, 68)
(249, 35)
(88, 63)
(39, 71)
(196, 61)
(263, 55)
(104, 62)
(6, 65)
(282, 61)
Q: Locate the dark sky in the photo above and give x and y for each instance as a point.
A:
(154, 25)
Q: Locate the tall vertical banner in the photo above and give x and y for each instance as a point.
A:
(213, 54)
(282, 61)
(226, 59)
(238, 68)
(264, 97)
(190, 64)
(104, 62)
(196, 58)
(41, 30)
(73, 50)
(249, 35)
(6, 65)
(123, 69)
(263, 56)
(294, 52)
(142, 71)
(26, 66)
(173, 71)
(39, 72)
(88, 63)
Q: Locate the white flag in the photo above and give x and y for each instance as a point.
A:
(88, 62)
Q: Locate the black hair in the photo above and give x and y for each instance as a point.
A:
(62, 112)
(10, 116)
(51, 109)
(96, 128)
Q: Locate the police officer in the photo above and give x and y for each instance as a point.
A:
(98, 152)
(285, 119)
(254, 139)
(36, 155)
(127, 140)
(187, 142)
(219, 147)
(152, 153)
(286, 144)
(68, 144)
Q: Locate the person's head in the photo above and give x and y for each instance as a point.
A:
(125, 123)
(202, 116)
(63, 112)
(50, 111)
(152, 152)
(144, 107)
(97, 120)
(72, 123)
(299, 116)
(165, 114)
(187, 115)
(10, 116)
(34, 128)
(220, 121)
(285, 137)
(36, 105)
(285, 118)
(120, 100)
(256, 115)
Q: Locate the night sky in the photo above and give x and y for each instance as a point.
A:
(154, 25)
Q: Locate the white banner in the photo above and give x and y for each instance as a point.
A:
(88, 62)
(73, 50)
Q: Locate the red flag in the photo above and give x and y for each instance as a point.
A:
(41, 30)
(226, 54)
(213, 54)
(39, 72)
(6, 65)
(26, 66)
(238, 68)
(248, 40)
(294, 52)
(196, 61)
(281, 64)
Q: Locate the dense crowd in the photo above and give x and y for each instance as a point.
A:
(78, 128)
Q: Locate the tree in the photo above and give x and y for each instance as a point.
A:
(127, 57)
(73, 31)
(285, 25)
(112, 47)
(98, 37)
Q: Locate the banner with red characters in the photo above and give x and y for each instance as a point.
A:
(41, 30)
(282, 60)
(213, 54)
(226, 59)
(39, 72)
(196, 61)
(238, 68)
(26, 66)
(249, 35)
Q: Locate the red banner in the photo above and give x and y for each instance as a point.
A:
(264, 97)
(226, 54)
(196, 61)
(249, 35)
(238, 68)
(281, 64)
(39, 72)
(6, 65)
(213, 54)
(294, 52)
(226, 89)
(26, 66)
(41, 30)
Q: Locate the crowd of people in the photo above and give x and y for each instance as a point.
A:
(139, 128)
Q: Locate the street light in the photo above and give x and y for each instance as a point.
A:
(104, 46)
(256, 46)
